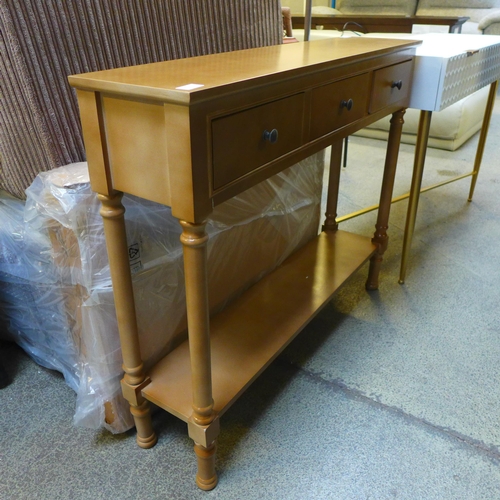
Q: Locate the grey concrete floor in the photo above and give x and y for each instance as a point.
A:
(392, 394)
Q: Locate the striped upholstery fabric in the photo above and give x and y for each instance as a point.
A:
(43, 41)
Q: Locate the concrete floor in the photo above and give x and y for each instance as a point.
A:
(386, 395)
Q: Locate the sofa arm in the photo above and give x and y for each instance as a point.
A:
(490, 24)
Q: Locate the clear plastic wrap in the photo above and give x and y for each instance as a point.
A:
(54, 263)
(33, 297)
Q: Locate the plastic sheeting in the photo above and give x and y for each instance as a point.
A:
(55, 283)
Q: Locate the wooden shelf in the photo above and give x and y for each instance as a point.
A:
(250, 333)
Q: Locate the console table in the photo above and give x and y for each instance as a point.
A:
(192, 133)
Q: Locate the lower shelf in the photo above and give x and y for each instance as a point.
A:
(248, 335)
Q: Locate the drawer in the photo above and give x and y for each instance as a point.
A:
(391, 85)
(255, 137)
(338, 104)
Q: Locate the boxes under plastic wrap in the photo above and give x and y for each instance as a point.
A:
(56, 285)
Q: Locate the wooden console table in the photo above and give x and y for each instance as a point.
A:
(378, 24)
(192, 133)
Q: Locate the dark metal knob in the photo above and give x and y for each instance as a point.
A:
(397, 84)
(272, 136)
(347, 104)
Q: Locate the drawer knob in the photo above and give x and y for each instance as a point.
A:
(397, 84)
(272, 136)
(347, 104)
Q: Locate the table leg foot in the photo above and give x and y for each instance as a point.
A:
(373, 273)
(206, 478)
(146, 437)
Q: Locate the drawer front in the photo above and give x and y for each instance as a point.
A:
(338, 104)
(391, 85)
(255, 137)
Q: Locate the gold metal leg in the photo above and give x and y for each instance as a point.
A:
(112, 212)
(482, 136)
(203, 427)
(416, 183)
(333, 188)
(380, 237)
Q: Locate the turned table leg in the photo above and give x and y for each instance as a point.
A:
(333, 188)
(112, 212)
(380, 237)
(203, 425)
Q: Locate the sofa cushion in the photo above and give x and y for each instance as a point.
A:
(490, 24)
(322, 10)
(385, 7)
(474, 10)
(468, 28)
